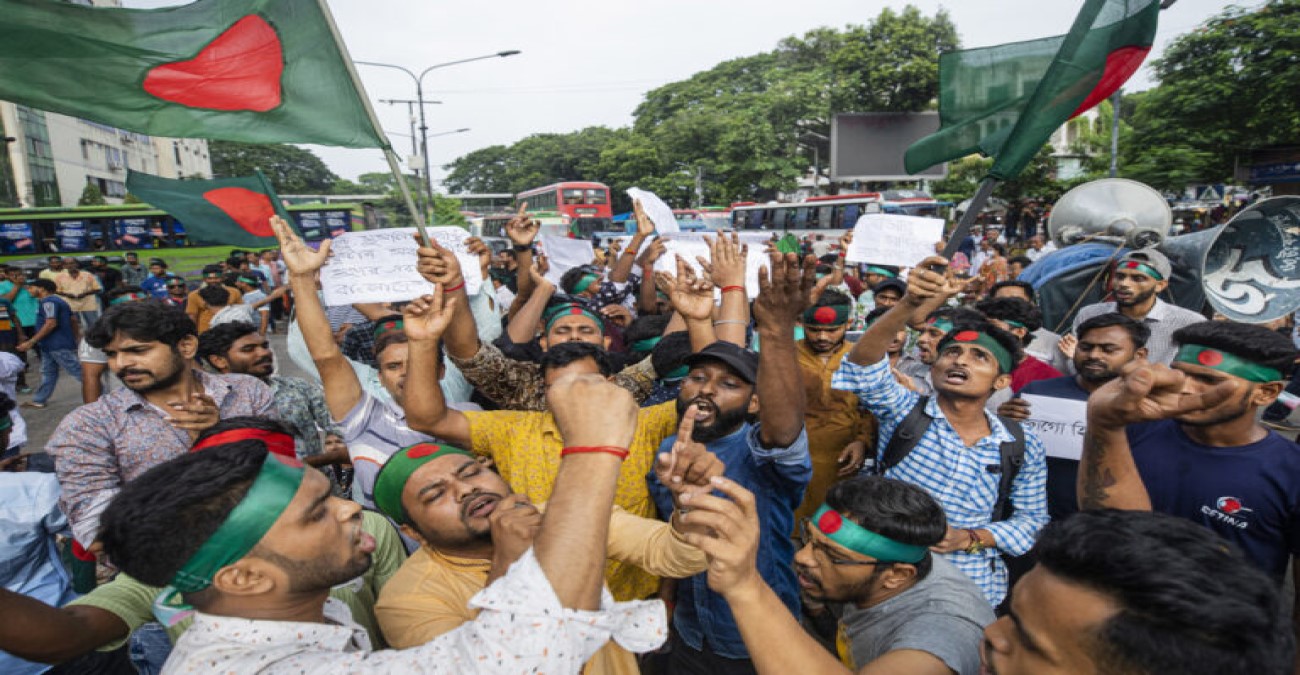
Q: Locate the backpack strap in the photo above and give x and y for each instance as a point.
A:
(906, 435)
(1012, 457)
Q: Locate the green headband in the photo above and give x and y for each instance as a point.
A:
(126, 297)
(248, 280)
(570, 309)
(6, 423)
(398, 469)
(881, 271)
(826, 316)
(859, 539)
(585, 282)
(1199, 355)
(1143, 268)
(646, 344)
(389, 326)
(676, 373)
(276, 484)
(940, 323)
(974, 337)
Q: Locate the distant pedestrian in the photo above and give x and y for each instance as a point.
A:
(56, 335)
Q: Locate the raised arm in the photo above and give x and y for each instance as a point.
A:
(342, 388)
(782, 297)
(648, 300)
(522, 230)
(441, 267)
(922, 287)
(523, 325)
(692, 297)
(728, 257)
(621, 268)
(424, 320)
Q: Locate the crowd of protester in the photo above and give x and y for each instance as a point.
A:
(617, 470)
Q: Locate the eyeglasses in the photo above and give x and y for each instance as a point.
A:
(175, 285)
(806, 538)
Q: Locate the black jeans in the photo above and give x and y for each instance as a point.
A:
(683, 660)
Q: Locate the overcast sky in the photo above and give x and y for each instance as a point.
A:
(588, 62)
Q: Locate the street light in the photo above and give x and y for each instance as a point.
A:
(419, 96)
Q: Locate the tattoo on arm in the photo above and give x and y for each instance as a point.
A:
(1097, 478)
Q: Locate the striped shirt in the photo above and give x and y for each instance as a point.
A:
(956, 475)
(1164, 319)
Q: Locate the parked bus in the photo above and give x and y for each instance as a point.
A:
(910, 203)
(28, 236)
(711, 218)
(583, 207)
(815, 214)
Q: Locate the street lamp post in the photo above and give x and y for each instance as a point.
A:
(419, 96)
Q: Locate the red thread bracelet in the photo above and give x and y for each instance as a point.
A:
(453, 289)
(728, 289)
(621, 453)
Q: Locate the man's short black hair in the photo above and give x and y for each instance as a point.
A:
(1139, 332)
(1013, 309)
(1008, 341)
(564, 353)
(1027, 287)
(1189, 602)
(1023, 260)
(100, 258)
(212, 269)
(54, 257)
(645, 327)
(1256, 344)
(955, 315)
(161, 518)
(671, 352)
(875, 313)
(218, 340)
(892, 508)
(569, 280)
(833, 298)
(215, 296)
(142, 321)
(45, 284)
(115, 293)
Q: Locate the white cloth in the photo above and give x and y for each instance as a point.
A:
(521, 628)
(10, 367)
(1034, 254)
(236, 313)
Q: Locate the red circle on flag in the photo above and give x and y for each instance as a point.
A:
(966, 336)
(824, 315)
(423, 450)
(830, 522)
(1209, 357)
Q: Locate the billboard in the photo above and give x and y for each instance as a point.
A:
(870, 146)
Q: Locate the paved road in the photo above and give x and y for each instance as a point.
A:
(67, 396)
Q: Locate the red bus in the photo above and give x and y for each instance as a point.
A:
(583, 207)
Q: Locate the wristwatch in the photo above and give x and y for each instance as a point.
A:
(975, 544)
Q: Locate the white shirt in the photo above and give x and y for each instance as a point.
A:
(1034, 254)
(522, 628)
(10, 366)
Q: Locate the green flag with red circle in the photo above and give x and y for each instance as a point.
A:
(1006, 101)
(219, 211)
(257, 71)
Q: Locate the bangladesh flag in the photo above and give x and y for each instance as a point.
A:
(221, 211)
(258, 71)
(1006, 101)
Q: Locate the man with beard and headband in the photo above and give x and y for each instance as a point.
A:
(1137, 279)
(906, 610)
(1202, 454)
(163, 406)
(471, 527)
(987, 472)
(254, 541)
(726, 388)
(1107, 342)
(839, 433)
(243, 349)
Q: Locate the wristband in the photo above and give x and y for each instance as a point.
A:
(453, 289)
(621, 453)
(522, 248)
(728, 289)
(737, 322)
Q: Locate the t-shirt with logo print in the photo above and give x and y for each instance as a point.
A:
(1249, 494)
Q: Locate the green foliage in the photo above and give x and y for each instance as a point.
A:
(291, 170)
(1225, 88)
(131, 199)
(1037, 181)
(91, 196)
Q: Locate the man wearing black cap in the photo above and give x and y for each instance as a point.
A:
(723, 391)
(888, 292)
(1136, 281)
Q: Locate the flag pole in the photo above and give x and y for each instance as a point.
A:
(977, 202)
(370, 112)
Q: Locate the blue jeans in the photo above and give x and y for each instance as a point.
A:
(150, 647)
(51, 360)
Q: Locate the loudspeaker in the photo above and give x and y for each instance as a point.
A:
(1110, 210)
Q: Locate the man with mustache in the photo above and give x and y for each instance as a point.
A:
(1107, 342)
(965, 455)
(242, 348)
(164, 404)
(1137, 279)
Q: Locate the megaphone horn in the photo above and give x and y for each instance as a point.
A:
(1115, 210)
(1251, 267)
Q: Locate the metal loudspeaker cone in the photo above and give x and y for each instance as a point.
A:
(1113, 210)
(1251, 269)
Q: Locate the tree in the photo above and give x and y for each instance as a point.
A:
(291, 170)
(91, 196)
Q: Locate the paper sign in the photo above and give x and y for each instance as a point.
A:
(1059, 423)
(888, 239)
(380, 265)
(692, 244)
(660, 213)
(564, 254)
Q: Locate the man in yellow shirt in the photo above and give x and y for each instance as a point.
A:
(81, 290)
(471, 527)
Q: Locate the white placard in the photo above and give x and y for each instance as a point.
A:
(661, 214)
(887, 239)
(692, 244)
(564, 254)
(1059, 423)
(380, 265)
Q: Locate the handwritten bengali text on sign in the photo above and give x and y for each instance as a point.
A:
(1059, 423)
(380, 266)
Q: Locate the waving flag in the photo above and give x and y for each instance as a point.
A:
(258, 71)
(221, 211)
(1006, 101)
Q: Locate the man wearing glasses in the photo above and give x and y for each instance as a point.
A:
(177, 291)
(906, 610)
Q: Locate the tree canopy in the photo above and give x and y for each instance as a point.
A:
(291, 170)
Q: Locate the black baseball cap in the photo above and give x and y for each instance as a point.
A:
(891, 284)
(739, 359)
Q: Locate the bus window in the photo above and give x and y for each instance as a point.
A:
(851, 214)
(800, 218)
(573, 196)
(596, 196)
(826, 217)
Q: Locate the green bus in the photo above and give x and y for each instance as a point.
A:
(29, 236)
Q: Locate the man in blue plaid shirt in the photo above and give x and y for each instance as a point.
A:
(958, 458)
